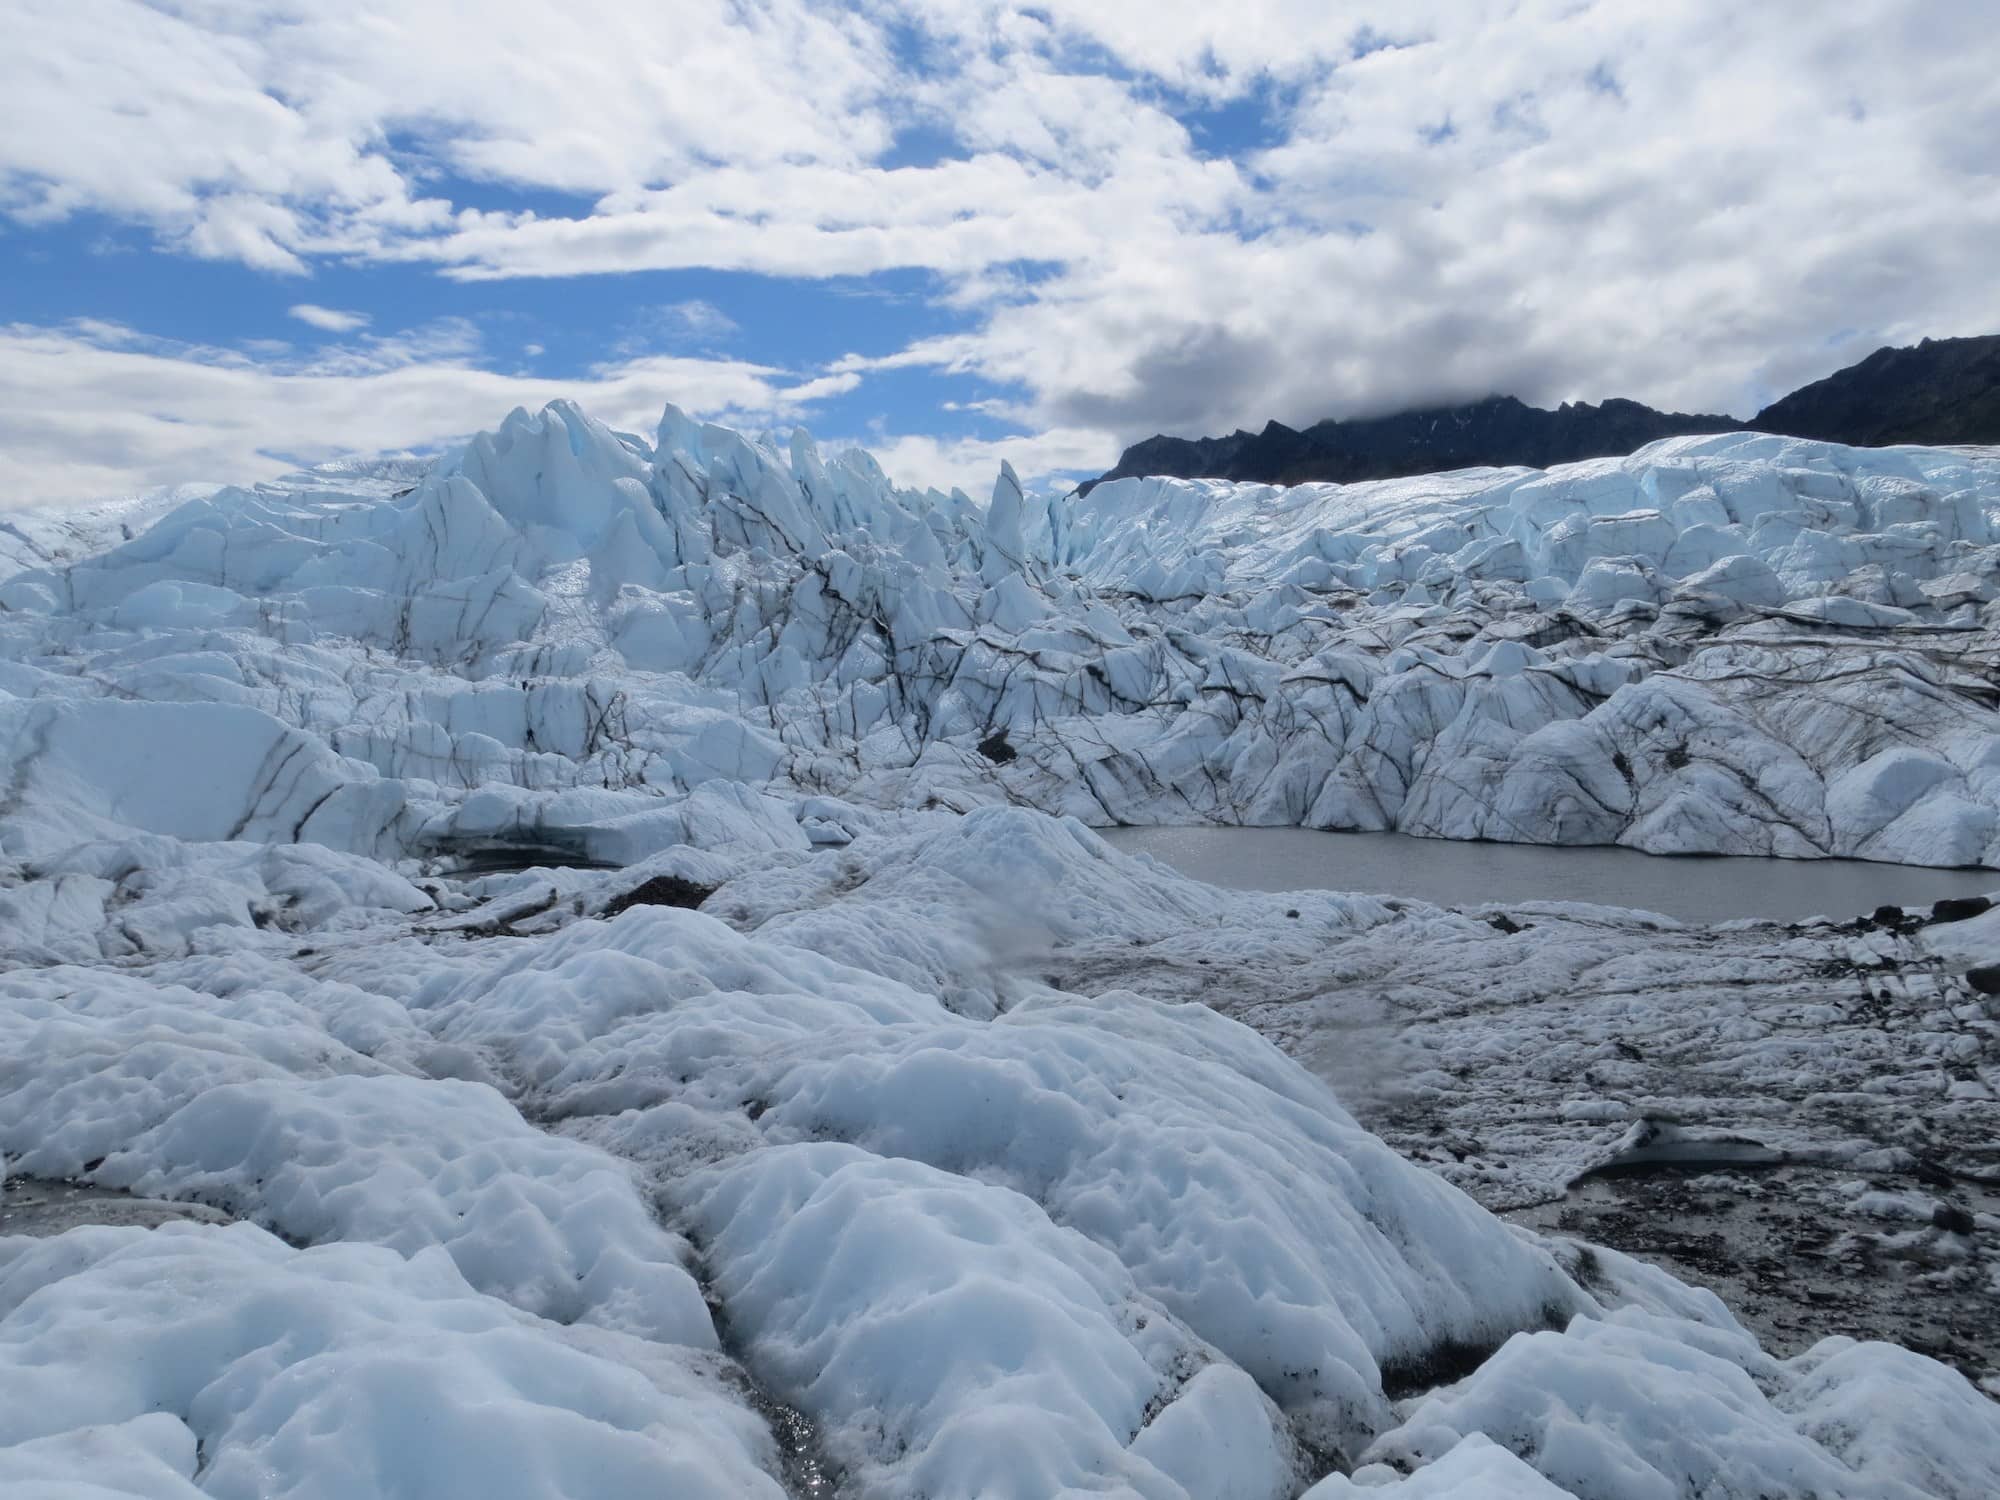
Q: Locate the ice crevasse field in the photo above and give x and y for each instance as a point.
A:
(583, 969)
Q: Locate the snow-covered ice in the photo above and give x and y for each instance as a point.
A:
(1736, 644)
(1654, 1408)
(606, 927)
(346, 1370)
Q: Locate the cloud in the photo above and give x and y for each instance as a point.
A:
(1760, 200)
(696, 319)
(1697, 205)
(331, 319)
(93, 410)
(1052, 459)
(270, 133)
(693, 324)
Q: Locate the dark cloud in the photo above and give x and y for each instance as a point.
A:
(1172, 385)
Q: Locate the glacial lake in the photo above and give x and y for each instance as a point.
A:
(1449, 872)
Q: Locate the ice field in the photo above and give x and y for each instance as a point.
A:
(593, 958)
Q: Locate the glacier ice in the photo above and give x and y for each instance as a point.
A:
(349, 827)
(1705, 647)
(343, 1370)
(1637, 1405)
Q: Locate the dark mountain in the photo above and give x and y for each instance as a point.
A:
(1941, 391)
(1499, 430)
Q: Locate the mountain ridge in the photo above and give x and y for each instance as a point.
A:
(1939, 391)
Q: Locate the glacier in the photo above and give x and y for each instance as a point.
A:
(1740, 644)
(605, 936)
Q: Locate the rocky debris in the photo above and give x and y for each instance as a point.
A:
(660, 890)
(1797, 1257)
(1959, 908)
(41, 1207)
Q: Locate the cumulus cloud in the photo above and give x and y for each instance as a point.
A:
(1050, 458)
(92, 410)
(270, 133)
(1141, 214)
(1699, 205)
(331, 319)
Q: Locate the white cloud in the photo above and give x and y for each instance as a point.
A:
(1051, 459)
(693, 324)
(1697, 205)
(331, 319)
(269, 133)
(698, 319)
(94, 410)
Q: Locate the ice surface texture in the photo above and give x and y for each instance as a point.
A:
(990, 1237)
(1734, 644)
(552, 1186)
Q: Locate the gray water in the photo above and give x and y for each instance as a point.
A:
(1456, 873)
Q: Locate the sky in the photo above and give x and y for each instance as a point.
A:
(241, 235)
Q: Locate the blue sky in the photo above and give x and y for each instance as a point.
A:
(235, 238)
(558, 328)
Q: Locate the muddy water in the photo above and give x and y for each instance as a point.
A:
(1452, 872)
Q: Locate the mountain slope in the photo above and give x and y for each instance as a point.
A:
(1499, 431)
(1940, 391)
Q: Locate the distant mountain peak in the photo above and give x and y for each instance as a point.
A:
(1937, 391)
